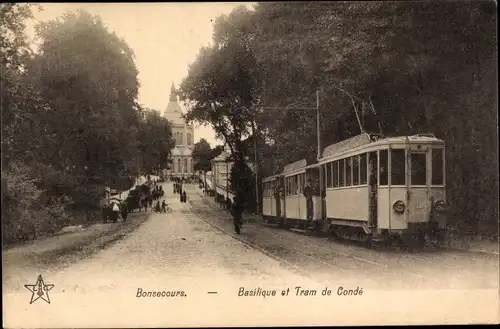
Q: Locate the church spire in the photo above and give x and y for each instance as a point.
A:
(173, 93)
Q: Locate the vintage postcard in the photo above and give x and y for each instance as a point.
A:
(249, 164)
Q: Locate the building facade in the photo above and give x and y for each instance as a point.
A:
(183, 134)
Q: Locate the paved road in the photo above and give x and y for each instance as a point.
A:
(170, 252)
(190, 252)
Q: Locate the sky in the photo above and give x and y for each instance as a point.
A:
(165, 37)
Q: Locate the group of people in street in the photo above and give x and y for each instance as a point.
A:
(140, 198)
(161, 208)
(113, 211)
(178, 184)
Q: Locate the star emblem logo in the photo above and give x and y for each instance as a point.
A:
(39, 290)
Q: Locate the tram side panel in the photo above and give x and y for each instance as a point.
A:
(267, 206)
(347, 204)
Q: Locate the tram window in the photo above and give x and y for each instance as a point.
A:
(355, 170)
(362, 169)
(329, 180)
(398, 167)
(342, 172)
(348, 171)
(383, 171)
(418, 168)
(437, 167)
(335, 173)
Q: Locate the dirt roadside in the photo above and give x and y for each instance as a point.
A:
(61, 249)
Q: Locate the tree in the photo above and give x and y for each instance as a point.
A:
(220, 89)
(407, 67)
(93, 120)
(156, 141)
(202, 156)
(25, 210)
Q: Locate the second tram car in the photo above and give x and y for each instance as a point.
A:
(365, 188)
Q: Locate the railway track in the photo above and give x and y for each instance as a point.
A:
(390, 266)
(358, 272)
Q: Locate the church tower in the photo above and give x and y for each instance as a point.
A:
(183, 135)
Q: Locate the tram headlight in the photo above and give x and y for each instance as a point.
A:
(399, 206)
(440, 205)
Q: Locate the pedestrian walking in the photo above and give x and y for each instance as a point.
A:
(116, 212)
(124, 211)
(184, 197)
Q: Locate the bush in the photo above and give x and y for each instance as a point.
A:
(27, 212)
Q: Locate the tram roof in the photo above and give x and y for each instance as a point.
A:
(270, 178)
(366, 139)
(295, 165)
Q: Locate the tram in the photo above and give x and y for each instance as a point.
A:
(366, 188)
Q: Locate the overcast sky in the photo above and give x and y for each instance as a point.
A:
(165, 37)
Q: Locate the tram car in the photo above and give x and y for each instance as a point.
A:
(365, 188)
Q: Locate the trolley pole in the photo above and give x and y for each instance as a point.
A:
(256, 168)
(227, 178)
(318, 126)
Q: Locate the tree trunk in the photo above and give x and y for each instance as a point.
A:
(239, 194)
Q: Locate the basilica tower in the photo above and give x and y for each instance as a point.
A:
(183, 135)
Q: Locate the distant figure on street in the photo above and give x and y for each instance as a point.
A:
(105, 213)
(184, 197)
(116, 212)
(124, 211)
(157, 207)
(180, 194)
(164, 206)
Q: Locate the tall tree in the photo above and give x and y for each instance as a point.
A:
(88, 76)
(220, 89)
(156, 141)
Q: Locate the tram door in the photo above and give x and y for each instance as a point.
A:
(314, 208)
(373, 188)
(278, 194)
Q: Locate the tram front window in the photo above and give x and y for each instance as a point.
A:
(398, 167)
(437, 167)
(418, 169)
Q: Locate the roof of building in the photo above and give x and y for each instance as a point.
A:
(173, 112)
